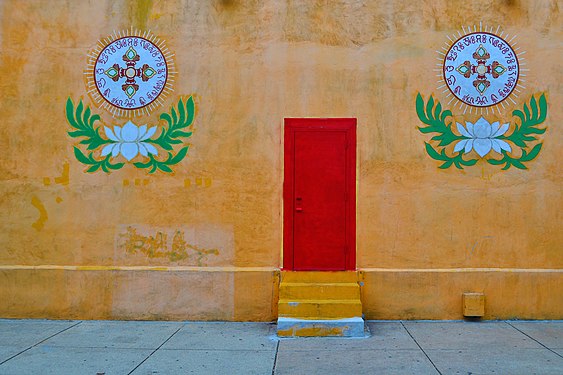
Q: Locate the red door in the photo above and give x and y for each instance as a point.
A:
(320, 194)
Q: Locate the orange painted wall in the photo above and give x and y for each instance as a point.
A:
(424, 235)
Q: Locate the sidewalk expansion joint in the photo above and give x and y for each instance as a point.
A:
(276, 358)
(525, 334)
(154, 351)
(40, 342)
(420, 347)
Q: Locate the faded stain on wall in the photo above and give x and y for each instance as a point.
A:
(182, 245)
(159, 246)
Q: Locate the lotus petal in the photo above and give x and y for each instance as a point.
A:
(494, 128)
(462, 130)
(460, 145)
(151, 149)
(108, 148)
(143, 150)
(149, 133)
(501, 130)
(117, 132)
(142, 132)
(110, 134)
(496, 146)
(129, 132)
(129, 150)
(482, 146)
(468, 146)
(503, 145)
(470, 127)
(482, 129)
(115, 150)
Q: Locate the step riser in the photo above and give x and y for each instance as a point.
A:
(319, 277)
(316, 291)
(309, 310)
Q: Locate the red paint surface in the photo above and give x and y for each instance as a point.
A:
(320, 194)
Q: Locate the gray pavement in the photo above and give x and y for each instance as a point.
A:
(391, 347)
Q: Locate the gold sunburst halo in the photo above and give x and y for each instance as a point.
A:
(130, 73)
(480, 70)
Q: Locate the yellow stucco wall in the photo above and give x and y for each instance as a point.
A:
(424, 235)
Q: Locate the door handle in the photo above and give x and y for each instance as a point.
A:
(298, 209)
(299, 201)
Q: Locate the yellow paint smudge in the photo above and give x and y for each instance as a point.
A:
(40, 223)
(312, 331)
(64, 179)
(59, 199)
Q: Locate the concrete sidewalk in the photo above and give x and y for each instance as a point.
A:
(393, 347)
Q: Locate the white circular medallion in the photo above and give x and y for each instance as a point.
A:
(130, 72)
(481, 69)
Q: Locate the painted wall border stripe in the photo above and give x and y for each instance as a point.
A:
(138, 268)
(265, 269)
(455, 270)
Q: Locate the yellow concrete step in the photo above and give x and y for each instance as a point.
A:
(329, 291)
(319, 309)
(319, 277)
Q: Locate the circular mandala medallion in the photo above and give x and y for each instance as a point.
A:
(481, 69)
(129, 74)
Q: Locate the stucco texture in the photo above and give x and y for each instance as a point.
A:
(424, 235)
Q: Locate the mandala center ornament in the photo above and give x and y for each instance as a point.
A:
(130, 73)
(481, 69)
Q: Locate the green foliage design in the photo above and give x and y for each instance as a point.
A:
(433, 116)
(83, 121)
(178, 123)
(437, 122)
(164, 166)
(525, 133)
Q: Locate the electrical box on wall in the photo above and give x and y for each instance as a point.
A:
(473, 305)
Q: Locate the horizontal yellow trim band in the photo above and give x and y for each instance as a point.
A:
(139, 268)
(446, 270)
(265, 269)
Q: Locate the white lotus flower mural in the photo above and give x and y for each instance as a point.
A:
(482, 137)
(129, 141)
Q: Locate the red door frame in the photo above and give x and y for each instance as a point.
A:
(292, 125)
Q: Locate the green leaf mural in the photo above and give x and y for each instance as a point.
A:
(483, 137)
(131, 140)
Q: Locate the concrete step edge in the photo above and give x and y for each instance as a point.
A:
(320, 301)
(318, 284)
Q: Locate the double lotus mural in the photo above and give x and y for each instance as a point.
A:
(130, 73)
